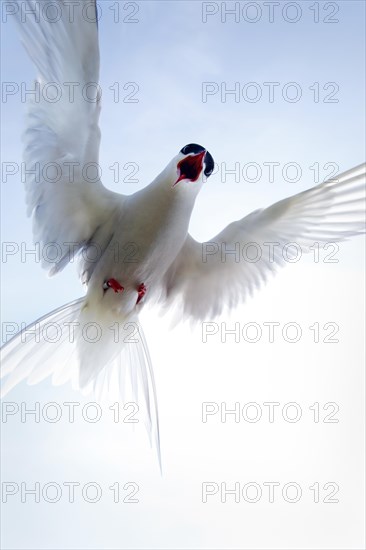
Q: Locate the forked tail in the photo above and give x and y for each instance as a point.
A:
(102, 357)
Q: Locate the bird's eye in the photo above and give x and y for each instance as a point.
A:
(192, 148)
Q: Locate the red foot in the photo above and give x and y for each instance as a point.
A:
(114, 285)
(141, 291)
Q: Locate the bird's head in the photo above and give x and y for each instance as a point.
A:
(192, 165)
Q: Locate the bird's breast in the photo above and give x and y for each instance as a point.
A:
(146, 240)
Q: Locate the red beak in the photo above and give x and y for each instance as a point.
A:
(190, 167)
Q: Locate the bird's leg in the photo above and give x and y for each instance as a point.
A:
(141, 291)
(114, 285)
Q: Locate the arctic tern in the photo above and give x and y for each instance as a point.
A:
(168, 266)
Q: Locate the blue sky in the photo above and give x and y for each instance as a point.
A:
(169, 53)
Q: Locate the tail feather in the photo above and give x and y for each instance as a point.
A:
(114, 366)
(25, 358)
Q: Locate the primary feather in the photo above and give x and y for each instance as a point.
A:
(64, 194)
(207, 278)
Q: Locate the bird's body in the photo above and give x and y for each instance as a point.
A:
(137, 249)
(138, 245)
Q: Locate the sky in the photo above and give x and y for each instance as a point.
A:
(180, 60)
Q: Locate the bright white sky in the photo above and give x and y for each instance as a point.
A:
(169, 53)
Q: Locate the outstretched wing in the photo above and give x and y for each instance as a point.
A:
(207, 278)
(63, 190)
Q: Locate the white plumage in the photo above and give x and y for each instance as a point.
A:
(77, 215)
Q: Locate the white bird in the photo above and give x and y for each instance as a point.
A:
(164, 264)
